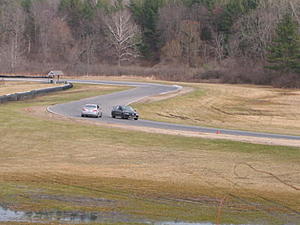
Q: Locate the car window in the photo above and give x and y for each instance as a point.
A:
(128, 108)
(90, 106)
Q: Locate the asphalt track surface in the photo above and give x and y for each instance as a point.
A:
(139, 91)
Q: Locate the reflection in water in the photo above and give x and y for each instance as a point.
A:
(65, 216)
(9, 215)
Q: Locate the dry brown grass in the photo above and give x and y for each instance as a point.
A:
(11, 87)
(245, 107)
(107, 152)
(254, 108)
(66, 152)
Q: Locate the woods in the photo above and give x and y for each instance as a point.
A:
(235, 41)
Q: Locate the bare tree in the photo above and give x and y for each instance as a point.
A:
(122, 35)
(60, 40)
(87, 51)
(218, 42)
(91, 44)
(44, 13)
(253, 33)
(12, 28)
(181, 29)
(190, 41)
(170, 17)
(295, 11)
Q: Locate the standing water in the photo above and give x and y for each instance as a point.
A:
(9, 215)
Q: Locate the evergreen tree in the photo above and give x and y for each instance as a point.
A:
(284, 52)
(145, 13)
(29, 32)
(78, 14)
(232, 11)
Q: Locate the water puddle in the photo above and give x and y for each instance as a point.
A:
(7, 215)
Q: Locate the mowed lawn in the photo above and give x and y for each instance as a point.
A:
(49, 163)
(253, 108)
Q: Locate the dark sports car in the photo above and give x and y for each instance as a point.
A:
(124, 112)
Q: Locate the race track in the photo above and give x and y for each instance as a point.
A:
(139, 91)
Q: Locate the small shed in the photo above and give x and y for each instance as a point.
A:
(55, 74)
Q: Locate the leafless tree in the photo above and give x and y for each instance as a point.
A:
(44, 13)
(12, 28)
(122, 35)
(86, 54)
(295, 11)
(218, 43)
(181, 29)
(170, 17)
(92, 44)
(190, 41)
(253, 33)
(60, 40)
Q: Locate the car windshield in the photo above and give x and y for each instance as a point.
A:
(90, 106)
(127, 108)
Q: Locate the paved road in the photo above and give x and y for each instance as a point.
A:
(139, 91)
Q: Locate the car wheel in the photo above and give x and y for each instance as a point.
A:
(82, 115)
(136, 118)
(113, 116)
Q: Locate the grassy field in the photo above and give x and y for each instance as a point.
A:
(253, 108)
(11, 87)
(65, 165)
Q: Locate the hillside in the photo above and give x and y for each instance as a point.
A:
(233, 41)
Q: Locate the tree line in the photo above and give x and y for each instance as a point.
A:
(251, 41)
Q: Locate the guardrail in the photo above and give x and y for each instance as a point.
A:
(21, 76)
(31, 94)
